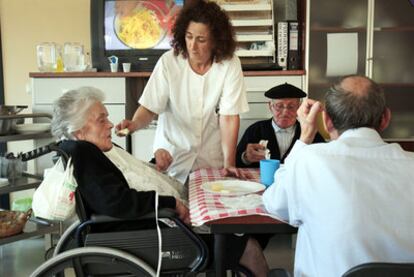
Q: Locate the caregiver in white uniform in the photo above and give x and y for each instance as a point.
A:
(197, 89)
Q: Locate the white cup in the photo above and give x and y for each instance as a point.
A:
(126, 67)
(114, 67)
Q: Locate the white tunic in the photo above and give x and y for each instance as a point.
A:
(189, 105)
(352, 200)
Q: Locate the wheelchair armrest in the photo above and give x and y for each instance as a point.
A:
(102, 219)
(162, 213)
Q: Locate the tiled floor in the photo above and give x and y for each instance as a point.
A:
(19, 259)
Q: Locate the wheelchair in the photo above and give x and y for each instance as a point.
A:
(95, 245)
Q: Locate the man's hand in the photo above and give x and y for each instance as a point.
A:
(122, 127)
(163, 159)
(307, 116)
(182, 211)
(254, 152)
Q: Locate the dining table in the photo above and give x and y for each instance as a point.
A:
(227, 212)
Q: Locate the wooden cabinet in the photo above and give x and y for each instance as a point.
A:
(385, 34)
(255, 24)
(255, 34)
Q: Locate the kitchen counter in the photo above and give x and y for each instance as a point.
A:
(87, 74)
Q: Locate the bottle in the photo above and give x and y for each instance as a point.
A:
(88, 62)
(59, 60)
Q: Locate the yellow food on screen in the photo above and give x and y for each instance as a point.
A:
(140, 30)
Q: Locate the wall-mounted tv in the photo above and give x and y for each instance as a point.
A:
(136, 31)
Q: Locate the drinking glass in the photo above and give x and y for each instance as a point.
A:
(73, 57)
(46, 56)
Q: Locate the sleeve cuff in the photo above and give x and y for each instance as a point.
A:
(167, 202)
(243, 158)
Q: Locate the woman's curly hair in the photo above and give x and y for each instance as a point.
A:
(221, 30)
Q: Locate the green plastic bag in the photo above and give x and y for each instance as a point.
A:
(22, 205)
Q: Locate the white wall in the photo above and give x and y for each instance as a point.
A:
(25, 23)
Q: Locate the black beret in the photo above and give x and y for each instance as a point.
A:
(285, 91)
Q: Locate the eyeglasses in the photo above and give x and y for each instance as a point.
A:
(280, 107)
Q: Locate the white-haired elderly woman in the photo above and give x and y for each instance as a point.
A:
(111, 181)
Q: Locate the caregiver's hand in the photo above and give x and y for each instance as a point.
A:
(163, 159)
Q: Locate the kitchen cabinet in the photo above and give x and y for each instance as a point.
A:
(254, 28)
(123, 90)
(385, 31)
(32, 228)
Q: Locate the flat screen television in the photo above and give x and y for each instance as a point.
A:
(135, 31)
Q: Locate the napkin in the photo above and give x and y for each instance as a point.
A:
(267, 151)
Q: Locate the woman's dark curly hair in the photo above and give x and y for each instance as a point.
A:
(221, 30)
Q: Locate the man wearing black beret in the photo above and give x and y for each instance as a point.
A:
(281, 131)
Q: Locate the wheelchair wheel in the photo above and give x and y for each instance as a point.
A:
(67, 239)
(95, 256)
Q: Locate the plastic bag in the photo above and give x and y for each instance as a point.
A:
(54, 199)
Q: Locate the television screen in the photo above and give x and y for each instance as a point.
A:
(139, 24)
(136, 31)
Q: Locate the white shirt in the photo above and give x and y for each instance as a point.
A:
(187, 104)
(284, 137)
(352, 200)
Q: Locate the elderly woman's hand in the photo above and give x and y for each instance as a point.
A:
(182, 211)
(163, 159)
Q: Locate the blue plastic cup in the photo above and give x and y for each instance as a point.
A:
(267, 171)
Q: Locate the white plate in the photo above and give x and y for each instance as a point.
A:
(32, 128)
(232, 187)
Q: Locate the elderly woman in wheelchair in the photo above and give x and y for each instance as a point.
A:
(111, 182)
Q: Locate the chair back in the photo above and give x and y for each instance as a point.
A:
(54, 146)
(381, 270)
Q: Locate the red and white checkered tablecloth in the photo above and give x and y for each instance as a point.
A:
(206, 206)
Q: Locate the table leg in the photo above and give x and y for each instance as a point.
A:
(219, 247)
